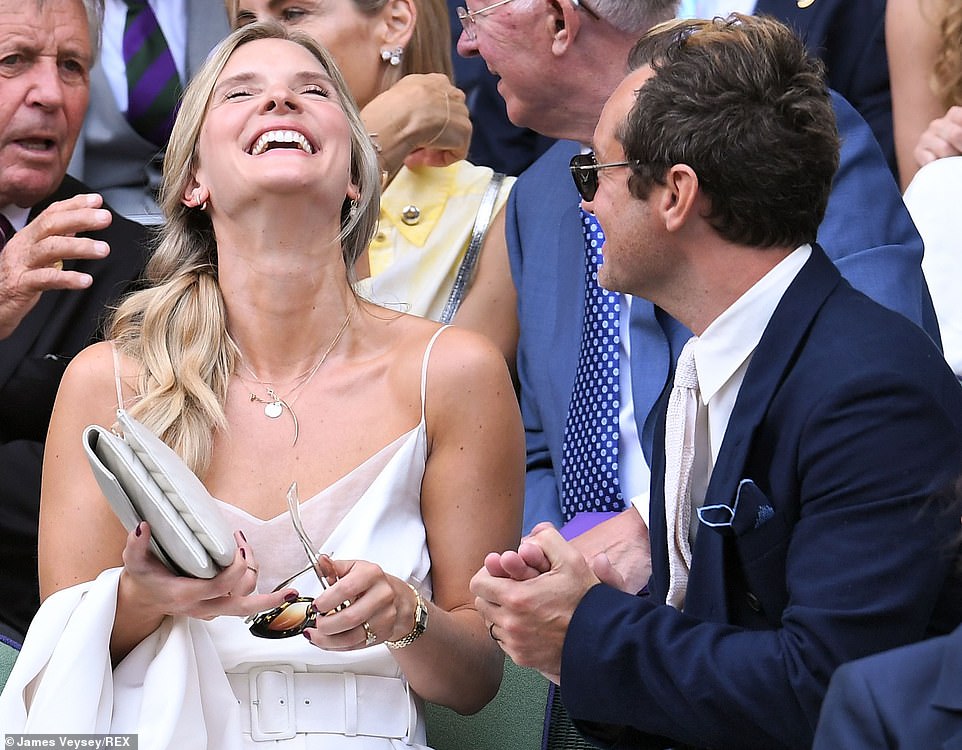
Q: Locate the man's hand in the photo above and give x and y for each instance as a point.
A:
(529, 596)
(31, 262)
(618, 551)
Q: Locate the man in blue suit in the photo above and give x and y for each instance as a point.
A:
(903, 699)
(823, 425)
(866, 231)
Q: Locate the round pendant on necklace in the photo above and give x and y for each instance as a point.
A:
(273, 409)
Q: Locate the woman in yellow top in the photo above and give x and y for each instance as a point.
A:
(429, 205)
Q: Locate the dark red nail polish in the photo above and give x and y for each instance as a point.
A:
(306, 634)
(290, 597)
(239, 531)
(243, 554)
(138, 531)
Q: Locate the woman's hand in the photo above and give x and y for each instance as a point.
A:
(421, 119)
(364, 606)
(156, 592)
(942, 138)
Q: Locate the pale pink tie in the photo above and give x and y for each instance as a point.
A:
(679, 458)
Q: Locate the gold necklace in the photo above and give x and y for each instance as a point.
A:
(275, 404)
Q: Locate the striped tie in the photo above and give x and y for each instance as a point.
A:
(6, 231)
(153, 86)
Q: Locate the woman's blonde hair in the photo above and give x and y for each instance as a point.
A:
(947, 76)
(429, 49)
(176, 328)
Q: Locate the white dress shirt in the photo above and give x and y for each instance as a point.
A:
(634, 475)
(16, 215)
(724, 351)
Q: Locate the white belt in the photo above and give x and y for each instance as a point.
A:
(276, 703)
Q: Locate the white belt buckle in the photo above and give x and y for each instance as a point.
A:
(272, 702)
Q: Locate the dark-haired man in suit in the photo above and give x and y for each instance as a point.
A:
(56, 277)
(583, 47)
(798, 517)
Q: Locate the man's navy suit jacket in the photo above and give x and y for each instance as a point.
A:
(829, 532)
(904, 699)
(850, 38)
(32, 361)
(866, 231)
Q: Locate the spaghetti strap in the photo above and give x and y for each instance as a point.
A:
(120, 394)
(424, 366)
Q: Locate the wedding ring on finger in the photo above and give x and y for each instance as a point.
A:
(369, 637)
(57, 264)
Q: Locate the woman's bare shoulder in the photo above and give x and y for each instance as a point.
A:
(89, 382)
(453, 347)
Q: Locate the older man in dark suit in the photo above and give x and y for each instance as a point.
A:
(65, 257)
(800, 450)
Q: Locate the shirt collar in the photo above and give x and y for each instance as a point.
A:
(429, 188)
(731, 338)
(16, 215)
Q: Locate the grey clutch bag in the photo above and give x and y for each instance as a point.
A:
(144, 480)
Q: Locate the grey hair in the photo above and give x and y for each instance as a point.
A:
(635, 16)
(632, 17)
(95, 22)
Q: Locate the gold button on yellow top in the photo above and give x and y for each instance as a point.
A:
(410, 215)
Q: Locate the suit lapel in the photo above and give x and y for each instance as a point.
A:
(18, 344)
(948, 689)
(772, 358)
(559, 299)
(656, 341)
(732, 502)
(569, 303)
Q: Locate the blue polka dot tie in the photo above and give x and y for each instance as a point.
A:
(589, 462)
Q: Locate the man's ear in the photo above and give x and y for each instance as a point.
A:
(679, 197)
(398, 17)
(564, 23)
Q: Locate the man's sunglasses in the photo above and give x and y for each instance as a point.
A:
(584, 171)
(292, 618)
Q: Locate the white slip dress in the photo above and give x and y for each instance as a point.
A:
(214, 686)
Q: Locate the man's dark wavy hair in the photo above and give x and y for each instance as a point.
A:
(741, 102)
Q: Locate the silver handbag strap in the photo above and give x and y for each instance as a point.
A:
(468, 263)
